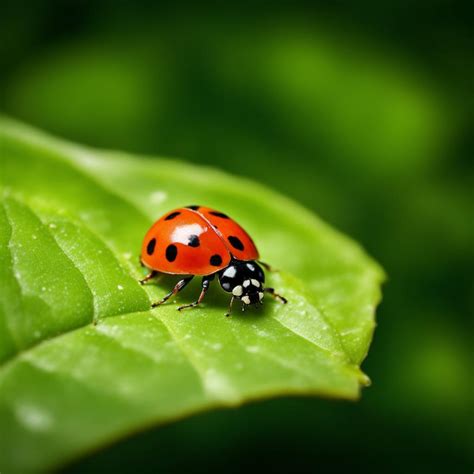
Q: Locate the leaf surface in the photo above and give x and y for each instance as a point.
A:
(83, 358)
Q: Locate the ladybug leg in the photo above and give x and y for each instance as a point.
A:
(148, 277)
(206, 282)
(229, 311)
(267, 267)
(177, 288)
(276, 295)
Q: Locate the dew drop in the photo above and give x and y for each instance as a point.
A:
(252, 349)
(157, 197)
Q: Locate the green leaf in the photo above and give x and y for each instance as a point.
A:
(72, 220)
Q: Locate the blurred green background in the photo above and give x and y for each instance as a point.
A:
(359, 110)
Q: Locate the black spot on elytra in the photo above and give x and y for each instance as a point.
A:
(235, 242)
(194, 208)
(219, 214)
(171, 253)
(215, 260)
(150, 248)
(172, 215)
(193, 241)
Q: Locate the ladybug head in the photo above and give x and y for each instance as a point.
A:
(245, 280)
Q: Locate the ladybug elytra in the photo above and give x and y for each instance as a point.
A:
(199, 241)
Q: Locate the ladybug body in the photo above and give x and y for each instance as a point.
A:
(200, 241)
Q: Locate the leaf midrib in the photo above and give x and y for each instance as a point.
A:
(186, 352)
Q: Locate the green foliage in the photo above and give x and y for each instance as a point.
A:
(72, 221)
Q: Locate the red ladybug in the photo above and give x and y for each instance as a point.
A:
(197, 240)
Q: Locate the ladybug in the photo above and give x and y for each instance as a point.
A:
(199, 241)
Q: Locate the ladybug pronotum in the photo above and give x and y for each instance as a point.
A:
(199, 241)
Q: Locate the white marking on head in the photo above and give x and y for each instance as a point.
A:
(250, 267)
(230, 272)
(255, 282)
(246, 300)
(246, 283)
(260, 295)
(237, 291)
